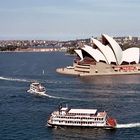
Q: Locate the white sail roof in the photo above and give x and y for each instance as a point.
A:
(106, 50)
(95, 53)
(131, 55)
(115, 47)
(110, 52)
(79, 53)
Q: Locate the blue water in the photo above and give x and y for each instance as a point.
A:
(23, 116)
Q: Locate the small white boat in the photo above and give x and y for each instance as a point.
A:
(65, 116)
(37, 88)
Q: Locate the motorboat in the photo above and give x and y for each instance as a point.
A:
(37, 88)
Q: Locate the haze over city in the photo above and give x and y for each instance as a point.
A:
(64, 20)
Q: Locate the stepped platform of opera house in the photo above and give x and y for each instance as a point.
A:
(104, 58)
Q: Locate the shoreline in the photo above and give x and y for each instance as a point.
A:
(33, 50)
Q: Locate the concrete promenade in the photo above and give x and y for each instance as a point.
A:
(68, 71)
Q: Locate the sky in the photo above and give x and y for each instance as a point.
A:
(68, 19)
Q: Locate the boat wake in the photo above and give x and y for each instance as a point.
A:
(54, 97)
(129, 125)
(63, 98)
(47, 95)
(13, 79)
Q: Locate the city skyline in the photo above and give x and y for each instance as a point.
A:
(64, 20)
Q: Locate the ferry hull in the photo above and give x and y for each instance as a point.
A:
(80, 126)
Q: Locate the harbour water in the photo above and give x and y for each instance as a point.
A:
(23, 116)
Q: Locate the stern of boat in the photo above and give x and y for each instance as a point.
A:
(111, 122)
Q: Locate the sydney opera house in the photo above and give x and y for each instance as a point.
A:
(104, 57)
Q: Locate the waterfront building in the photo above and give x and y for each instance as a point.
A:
(105, 57)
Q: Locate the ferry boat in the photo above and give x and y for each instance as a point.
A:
(65, 116)
(37, 88)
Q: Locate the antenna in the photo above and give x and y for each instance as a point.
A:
(66, 105)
